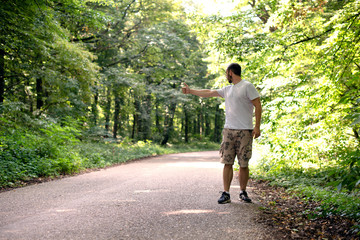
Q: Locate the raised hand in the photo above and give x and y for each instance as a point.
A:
(185, 89)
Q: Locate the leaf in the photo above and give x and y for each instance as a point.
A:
(357, 183)
(356, 121)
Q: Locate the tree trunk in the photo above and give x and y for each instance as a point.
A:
(201, 122)
(39, 93)
(157, 116)
(116, 115)
(2, 75)
(94, 109)
(194, 126)
(137, 121)
(187, 121)
(169, 123)
(218, 124)
(28, 96)
(207, 125)
(134, 126)
(24, 91)
(146, 117)
(107, 108)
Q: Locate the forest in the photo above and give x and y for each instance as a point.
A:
(87, 84)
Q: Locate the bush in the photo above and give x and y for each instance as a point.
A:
(40, 151)
(318, 185)
(55, 150)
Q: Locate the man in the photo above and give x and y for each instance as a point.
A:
(238, 132)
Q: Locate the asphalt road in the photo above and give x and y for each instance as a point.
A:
(167, 197)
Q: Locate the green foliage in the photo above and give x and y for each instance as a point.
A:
(40, 147)
(74, 72)
(26, 155)
(107, 63)
(56, 150)
(36, 48)
(98, 155)
(315, 185)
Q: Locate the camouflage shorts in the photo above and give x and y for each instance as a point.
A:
(236, 143)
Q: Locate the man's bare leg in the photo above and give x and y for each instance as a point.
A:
(227, 176)
(243, 177)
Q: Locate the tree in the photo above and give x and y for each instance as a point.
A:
(172, 55)
(40, 60)
(116, 65)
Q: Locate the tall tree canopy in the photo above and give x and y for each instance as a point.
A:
(115, 65)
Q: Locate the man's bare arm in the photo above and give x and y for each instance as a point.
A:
(258, 110)
(200, 93)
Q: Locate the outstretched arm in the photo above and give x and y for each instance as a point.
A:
(201, 93)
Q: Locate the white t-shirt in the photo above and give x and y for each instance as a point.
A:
(238, 106)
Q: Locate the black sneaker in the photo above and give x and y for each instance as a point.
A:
(225, 198)
(244, 197)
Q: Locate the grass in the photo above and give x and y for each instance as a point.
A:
(22, 164)
(98, 155)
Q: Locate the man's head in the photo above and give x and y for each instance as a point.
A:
(233, 68)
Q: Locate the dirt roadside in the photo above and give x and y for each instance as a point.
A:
(292, 217)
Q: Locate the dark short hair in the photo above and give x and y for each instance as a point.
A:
(235, 68)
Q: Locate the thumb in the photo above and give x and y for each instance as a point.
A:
(254, 134)
(186, 85)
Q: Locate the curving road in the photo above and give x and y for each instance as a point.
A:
(167, 197)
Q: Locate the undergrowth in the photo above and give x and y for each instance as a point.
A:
(43, 148)
(22, 162)
(336, 188)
